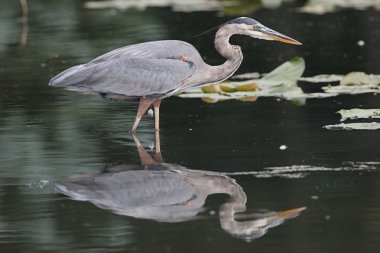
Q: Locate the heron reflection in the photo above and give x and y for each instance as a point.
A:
(167, 192)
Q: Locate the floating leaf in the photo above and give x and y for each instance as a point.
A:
(287, 73)
(281, 82)
(360, 78)
(352, 83)
(211, 88)
(354, 126)
(354, 89)
(323, 6)
(226, 87)
(253, 75)
(322, 78)
(247, 87)
(359, 113)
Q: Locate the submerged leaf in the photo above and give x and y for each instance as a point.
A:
(359, 113)
(248, 99)
(354, 126)
(210, 100)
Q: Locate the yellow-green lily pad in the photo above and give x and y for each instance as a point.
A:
(214, 88)
(247, 87)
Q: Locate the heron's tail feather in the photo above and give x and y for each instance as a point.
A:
(65, 78)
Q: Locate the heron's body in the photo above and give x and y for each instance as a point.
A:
(151, 69)
(154, 70)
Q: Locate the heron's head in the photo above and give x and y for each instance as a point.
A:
(251, 27)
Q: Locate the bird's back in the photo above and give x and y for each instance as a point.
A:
(154, 192)
(147, 69)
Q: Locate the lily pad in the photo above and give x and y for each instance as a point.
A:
(247, 87)
(326, 6)
(287, 73)
(360, 78)
(353, 89)
(322, 78)
(245, 76)
(211, 88)
(226, 87)
(281, 82)
(352, 83)
(354, 126)
(359, 114)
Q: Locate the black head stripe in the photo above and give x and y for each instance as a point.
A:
(243, 20)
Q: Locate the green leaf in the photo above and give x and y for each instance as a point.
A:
(353, 90)
(359, 114)
(322, 78)
(282, 82)
(360, 78)
(326, 6)
(288, 72)
(354, 126)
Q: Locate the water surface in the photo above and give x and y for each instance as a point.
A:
(50, 135)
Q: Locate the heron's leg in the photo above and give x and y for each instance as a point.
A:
(143, 107)
(156, 107)
(145, 158)
(158, 156)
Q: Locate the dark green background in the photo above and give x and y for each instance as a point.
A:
(51, 134)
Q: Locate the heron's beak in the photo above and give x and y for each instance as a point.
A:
(291, 213)
(273, 35)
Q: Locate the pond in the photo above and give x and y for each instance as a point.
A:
(231, 176)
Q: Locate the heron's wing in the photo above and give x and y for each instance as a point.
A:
(162, 49)
(127, 76)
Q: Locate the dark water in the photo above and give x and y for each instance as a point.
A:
(231, 148)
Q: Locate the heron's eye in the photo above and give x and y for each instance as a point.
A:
(255, 27)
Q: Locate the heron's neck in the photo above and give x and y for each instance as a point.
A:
(232, 53)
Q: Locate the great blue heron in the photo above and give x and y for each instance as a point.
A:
(169, 192)
(154, 70)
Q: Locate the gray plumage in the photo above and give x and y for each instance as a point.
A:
(167, 192)
(149, 194)
(162, 192)
(170, 193)
(154, 70)
(146, 69)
